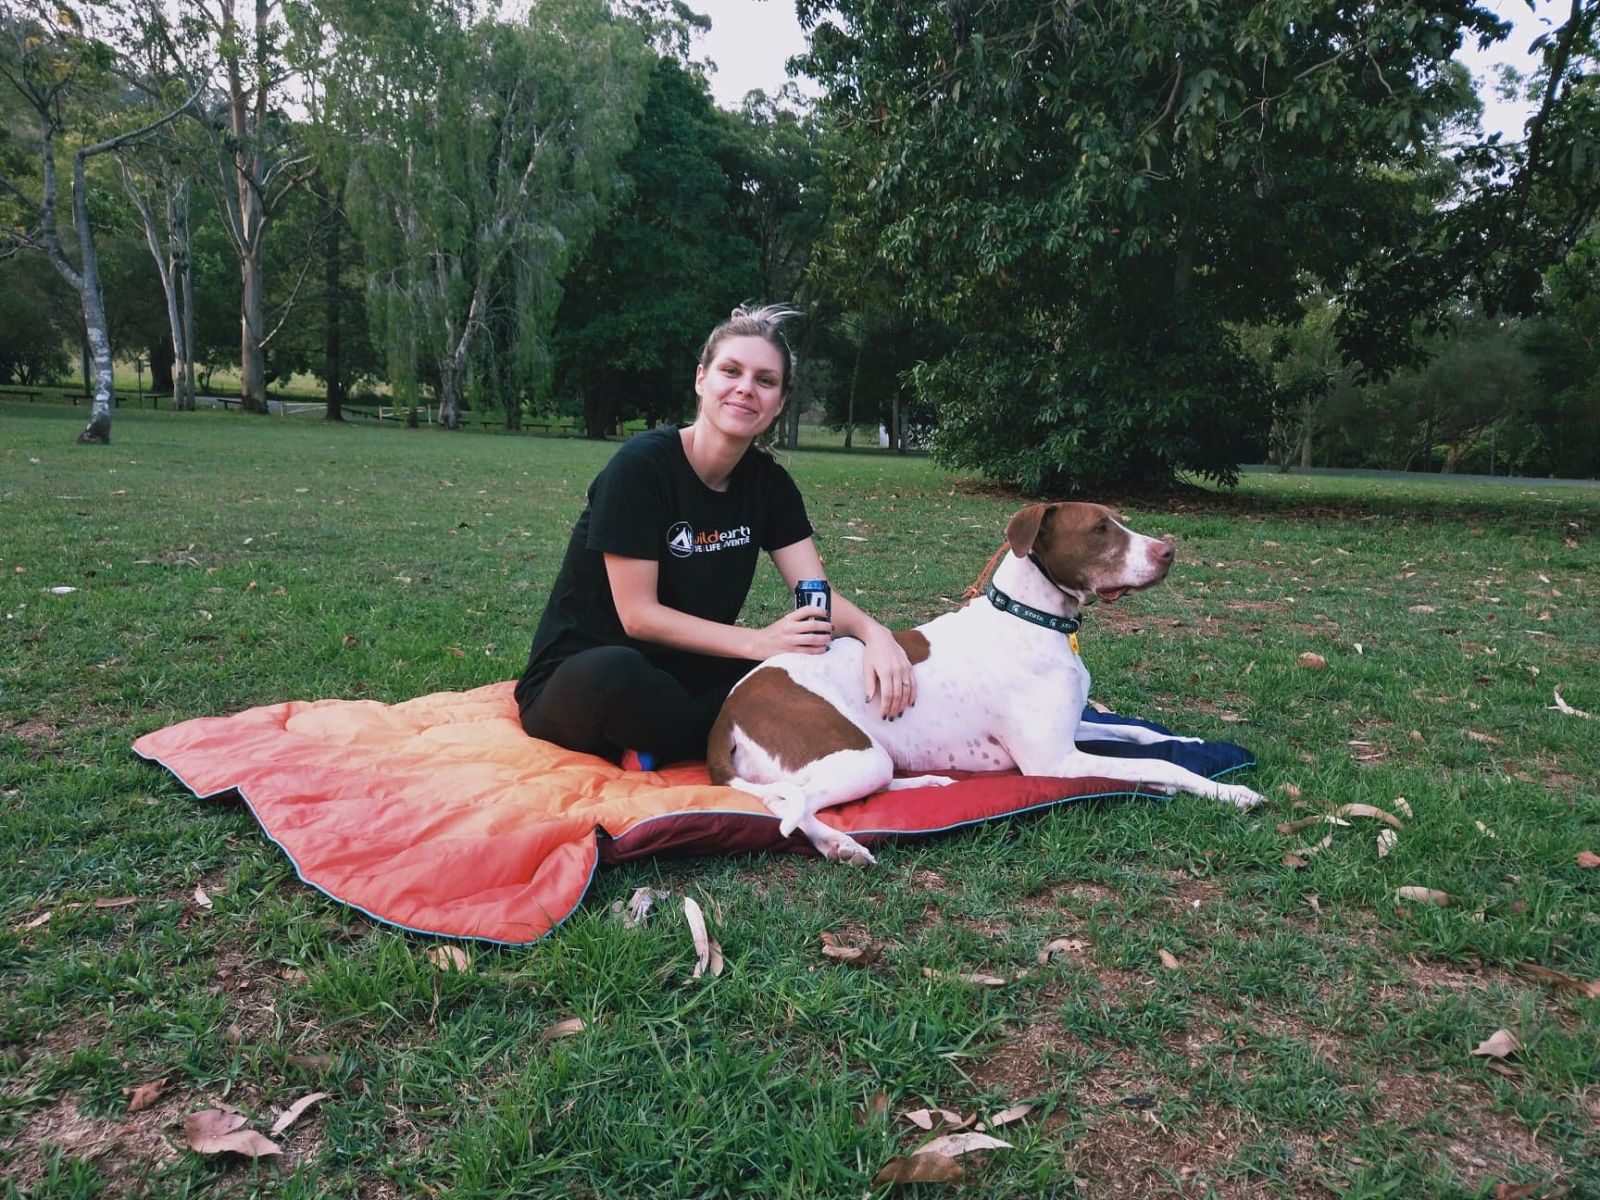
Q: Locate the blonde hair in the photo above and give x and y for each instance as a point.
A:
(763, 322)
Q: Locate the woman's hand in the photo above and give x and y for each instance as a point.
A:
(803, 631)
(887, 673)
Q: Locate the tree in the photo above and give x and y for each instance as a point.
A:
(56, 61)
(483, 154)
(33, 337)
(660, 272)
(1564, 349)
(1095, 194)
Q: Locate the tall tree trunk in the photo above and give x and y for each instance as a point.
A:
(855, 381)
(94, 313)
(185, 265)
(1305, 434)
(252, 367)
(163, 357)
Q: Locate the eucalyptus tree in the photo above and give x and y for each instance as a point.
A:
(1095, 192)
(482, 153)
(62, 61)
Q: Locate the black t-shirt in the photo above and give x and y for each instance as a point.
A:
(649, 503)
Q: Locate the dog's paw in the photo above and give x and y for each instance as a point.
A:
(849, 851)
(1240, 797)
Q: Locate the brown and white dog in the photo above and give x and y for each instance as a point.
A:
(999, 685)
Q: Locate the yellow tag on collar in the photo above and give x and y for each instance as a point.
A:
(1072, 640)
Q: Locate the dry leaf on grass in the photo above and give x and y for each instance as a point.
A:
(294, 1112)
(1562, 706)
(920, 1168)
(1425, 895)
(708, 953)
(1290, 790)
(1402, 807)
(957, 1144)
(1387, 839)
(1486, 738)
(143, 1096)
(1005, 1116)
(115, 901)
(202, 898)
(1312, 661)
(212, 1131)
(860, 955)
(1295, 861)
(1367, 810)
(42, 919)
(639, 905)
(924, 1118)
(1169, 960)
(1562, 982)
(1304, 852)
(1061, 945)
(1588, 859)
(311, 1062)
(1502, 1043)
(1516, 1191)
(571, 1027)
(449, 958)
(973, 977)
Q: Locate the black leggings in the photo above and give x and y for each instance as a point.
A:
(610, 699)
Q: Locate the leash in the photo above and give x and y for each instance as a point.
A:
(976, 587)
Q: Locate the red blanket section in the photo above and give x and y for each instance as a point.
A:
(440, 815)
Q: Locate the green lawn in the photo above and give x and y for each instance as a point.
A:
(1313, 1035)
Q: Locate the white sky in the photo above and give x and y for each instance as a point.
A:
(750, 40)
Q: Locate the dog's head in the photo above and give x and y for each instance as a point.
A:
(1086, 550)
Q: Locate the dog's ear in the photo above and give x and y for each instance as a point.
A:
(1022, 531)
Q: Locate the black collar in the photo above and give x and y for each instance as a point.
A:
(1032, 615)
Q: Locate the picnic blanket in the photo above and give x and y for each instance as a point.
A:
(441, 816)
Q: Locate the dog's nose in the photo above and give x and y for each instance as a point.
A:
(1163, 553)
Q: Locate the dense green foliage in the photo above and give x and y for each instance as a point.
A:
(1094, 193)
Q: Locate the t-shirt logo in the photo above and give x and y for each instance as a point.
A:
(684, 542)
(680, 540)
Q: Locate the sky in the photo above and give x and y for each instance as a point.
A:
(751, 39)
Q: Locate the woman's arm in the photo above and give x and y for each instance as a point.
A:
(634, 592)
(886, 671)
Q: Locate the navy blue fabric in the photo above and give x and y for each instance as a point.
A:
(1210, 759)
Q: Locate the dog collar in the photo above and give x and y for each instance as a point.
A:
(1066, 625)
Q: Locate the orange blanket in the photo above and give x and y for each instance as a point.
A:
(441, 816)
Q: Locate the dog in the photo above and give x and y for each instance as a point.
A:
(999, 684)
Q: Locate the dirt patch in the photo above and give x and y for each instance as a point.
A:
(1129, 1153)
(130, 1148)
(33, 733)
(1028, 1062)
(1483, 1144)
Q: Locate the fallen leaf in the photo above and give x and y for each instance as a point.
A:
(42, 919)
(969, 977)
(924, 1118)
(202, 898)
(1425, 895)
(1502, 1043)
(1311, 661)
(293, 1113)
(920, 1168)
(708, 954)
(1315, 902)
(1367, 810)
(314, 1063)
(1402, 807)
(1290, 790)
(1061, 945)
(876, 1106)
(1169, 960)
(1562, 706)
(449, 958)
(1386, 842)
(860, 955)
(1587, 859)
(957, 1144)
(115, 901)
(1520, 1191)
(1484, 829)
(212, 1131)
(1295, 861)
(455, 651)
(62, 591)
(1005, 1116)
(1486, 739)
(350, 639)
(1422, 608)
(1562, 982)
(1314, 848)
(143, 1096)
(571, 1027)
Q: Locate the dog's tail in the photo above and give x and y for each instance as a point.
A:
(785, 800)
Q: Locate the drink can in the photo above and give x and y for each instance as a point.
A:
(814, 593)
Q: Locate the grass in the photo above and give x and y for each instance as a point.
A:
(1314, 1038)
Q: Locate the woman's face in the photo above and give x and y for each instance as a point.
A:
(741, 392)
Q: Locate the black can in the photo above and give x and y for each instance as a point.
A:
(814, 593)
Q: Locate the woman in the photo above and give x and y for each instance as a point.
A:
(638, 645)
